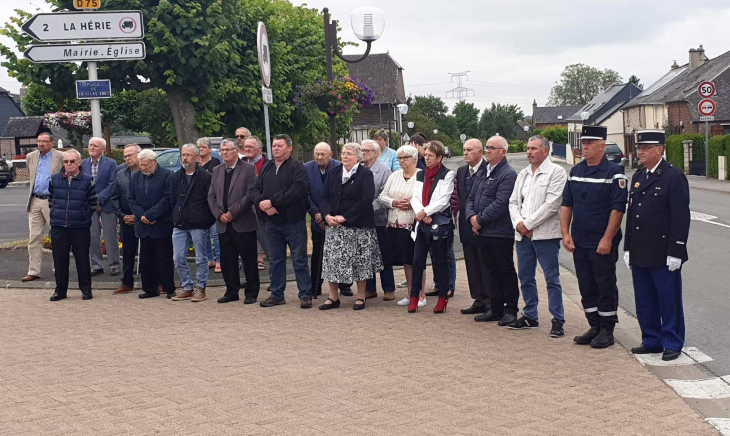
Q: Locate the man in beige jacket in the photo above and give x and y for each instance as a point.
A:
(534, 208)
(41, 163)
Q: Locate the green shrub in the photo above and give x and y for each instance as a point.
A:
(557, 134)
(717, 147)
(517, 146)
(675, 149)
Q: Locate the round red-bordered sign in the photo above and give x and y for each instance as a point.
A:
(707, 107)
(264, 52)
(706, 89)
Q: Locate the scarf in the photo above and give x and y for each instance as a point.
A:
(428, 182)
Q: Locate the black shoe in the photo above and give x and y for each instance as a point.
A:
(247, 300)
(586, 337)
(347, 292)
(642, 349)
(432, 293)
(670, 354)
(524, 323)
(488, 316)
(271, 302)
(170, 295)
(474, 309)
(507, 319)
(148, 295)
(97, 272)
(333, 304)
(557, 330)
(369, 295)
(57, 297)
(114, 272)
(229, 298)
(306, 303)
(604, 338)
(359, 306)
(86, 295)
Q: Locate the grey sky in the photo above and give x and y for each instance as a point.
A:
(515, 50)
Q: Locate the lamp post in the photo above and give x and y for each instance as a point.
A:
(402, 110)
(368, 25)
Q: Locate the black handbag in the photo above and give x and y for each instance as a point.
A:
(440, 227)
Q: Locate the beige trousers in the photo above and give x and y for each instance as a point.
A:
(38, 219)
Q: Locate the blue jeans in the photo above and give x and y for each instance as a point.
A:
(180, 243)
(295, 236)
(451, 257)
(213, 249)
(546, 252)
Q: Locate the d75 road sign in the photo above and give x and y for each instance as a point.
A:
(85, 26)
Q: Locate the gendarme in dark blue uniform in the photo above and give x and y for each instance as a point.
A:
(657, 227)
(594, 192)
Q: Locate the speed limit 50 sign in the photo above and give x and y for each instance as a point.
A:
(706, 89)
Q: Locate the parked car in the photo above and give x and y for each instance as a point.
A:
(170, 158)
(7, 172)
(614, 154)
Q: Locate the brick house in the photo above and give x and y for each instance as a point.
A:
(384, 75)
(547, 116)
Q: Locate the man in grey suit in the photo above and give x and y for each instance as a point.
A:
(236, 221)
(42, 163)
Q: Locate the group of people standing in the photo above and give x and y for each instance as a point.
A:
(375, 209)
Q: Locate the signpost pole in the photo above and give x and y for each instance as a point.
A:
(707, 149)
(95, 107)
(268, 132)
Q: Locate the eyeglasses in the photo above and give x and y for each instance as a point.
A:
(404, 157)
(348, 154)
(41, 141)
(69, 161)
(227, 149)
(241, 136)
(368, 151)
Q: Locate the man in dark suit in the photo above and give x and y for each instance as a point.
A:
(657, 227)
(149, 199)
(103, 171)
(230, 202)
(476, 270)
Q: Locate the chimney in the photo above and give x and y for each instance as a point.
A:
(674, 65)
(696, 57)
(534, 109)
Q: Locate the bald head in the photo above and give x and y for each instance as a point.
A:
(322, 155)
(496, 149)
(472, 152)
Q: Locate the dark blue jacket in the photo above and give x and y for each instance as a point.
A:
(489, 201)
(353, 200)
(71, 206)
(316, 188)
(105, 176)
(149, 196)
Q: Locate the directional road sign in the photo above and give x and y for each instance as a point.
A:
(87, 89)
(706, 89)
(113, 51)
(85, 26)
(707, 107)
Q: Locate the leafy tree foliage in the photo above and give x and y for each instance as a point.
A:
(579, 83)
(557, 134)
(467, 118)
(500, 119)
(636, 81)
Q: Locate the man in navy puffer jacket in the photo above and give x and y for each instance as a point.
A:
(72, 198)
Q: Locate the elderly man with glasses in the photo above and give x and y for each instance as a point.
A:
(242, 134)
(126, 217)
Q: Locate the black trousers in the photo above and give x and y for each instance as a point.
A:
(129, 253)
(439, 249)
(387, 281)
(497, 255)
(156, 265)
(477, 274)
(316, 264)
(233, 245)
(596, 275)
(65, 240)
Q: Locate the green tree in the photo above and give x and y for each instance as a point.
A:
(500, 119)
(467, 118)
(40, 99)
(556, 134)
(636, 81)
(579, 84)
(429, 105)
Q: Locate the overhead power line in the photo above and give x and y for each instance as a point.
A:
(460, 92)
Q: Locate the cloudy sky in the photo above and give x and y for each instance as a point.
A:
(515, 50)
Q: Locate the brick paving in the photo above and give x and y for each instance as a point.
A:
(120, 365)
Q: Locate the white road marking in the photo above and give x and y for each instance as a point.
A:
(704, 389)
(12, 205)
(722, 424)
(656, 360)
(696, 355)
(705, 218)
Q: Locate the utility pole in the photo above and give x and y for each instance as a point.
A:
(460, 92)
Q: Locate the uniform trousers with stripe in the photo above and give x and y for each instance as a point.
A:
(597, 283)
(658, 295)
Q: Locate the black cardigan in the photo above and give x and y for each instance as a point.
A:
(353, 200)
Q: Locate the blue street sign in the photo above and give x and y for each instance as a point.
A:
(88, 89)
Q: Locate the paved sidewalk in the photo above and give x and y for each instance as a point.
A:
(120, 365)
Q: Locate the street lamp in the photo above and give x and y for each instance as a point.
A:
(435, 131)
(368, 25)
(402, 110)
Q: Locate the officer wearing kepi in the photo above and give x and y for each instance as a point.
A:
(594, 200)
(657, 226)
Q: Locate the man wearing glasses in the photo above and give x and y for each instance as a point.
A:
(242, 134)
(42, 163)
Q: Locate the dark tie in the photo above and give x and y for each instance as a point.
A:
(470, 180)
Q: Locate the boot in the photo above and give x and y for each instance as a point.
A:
(441, 305)
(86, 295)
(413, 305)
(588, 336)
(605, 336)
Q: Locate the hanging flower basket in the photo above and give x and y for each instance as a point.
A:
(340, 95)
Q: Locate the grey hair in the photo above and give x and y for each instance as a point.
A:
(101, 140)
(408, 150)
(543, 140)
(136, 147)
(228, 141)
(375, 145)
(501, 139)
(147, 154)
(324, 144)
(50, 136)
(74, 151)
(354, 146)
(259, 144)
(196, 150)
(203, 141)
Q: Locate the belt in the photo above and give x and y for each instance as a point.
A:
(42, 197)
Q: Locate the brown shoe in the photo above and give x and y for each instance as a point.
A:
(124, 289)
(186, 295)
(388, 296)
(199, 295)
(29, 278)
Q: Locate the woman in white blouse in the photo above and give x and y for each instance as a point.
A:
(396, 197)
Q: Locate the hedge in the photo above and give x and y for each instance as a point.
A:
(675, 149)
(517, 146)
(719, 146)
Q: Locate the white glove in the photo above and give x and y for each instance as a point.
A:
(626, 259)
(673, 263)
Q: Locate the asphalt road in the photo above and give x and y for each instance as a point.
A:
(13, 218)
(706, 276)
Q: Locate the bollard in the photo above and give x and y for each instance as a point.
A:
(722, 168)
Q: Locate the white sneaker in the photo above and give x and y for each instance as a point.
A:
(404, 302)
(422, 303)
(402, 285)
